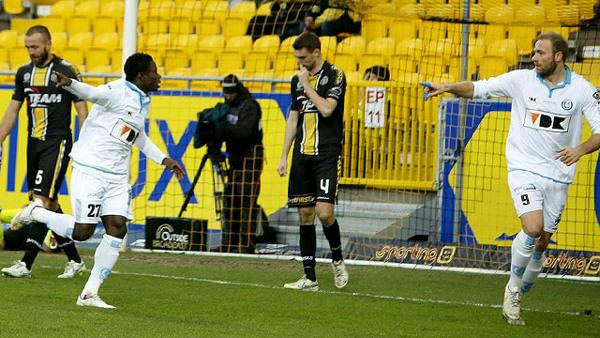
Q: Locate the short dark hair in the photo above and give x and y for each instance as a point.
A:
(135, 64)
(559, 44)
(308, 40)
(39, 29)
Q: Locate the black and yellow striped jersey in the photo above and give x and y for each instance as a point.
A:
(48, 107)
(318, 135)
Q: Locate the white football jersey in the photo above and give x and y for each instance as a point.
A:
(543, 119)
(114, 124)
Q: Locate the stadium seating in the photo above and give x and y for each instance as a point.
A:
(268, 43)
(328, 46)
(75, 56)
(234, 26)
(373, 28)
(242, 44)
(403, 29)
(216, 9)
(505, 48)
(81, 40)
(113, 9)
(187, 42)
(491, 65)
(9, 38)
(382, 46)
(113, 40)
(500, 14)
(354, 45)
(257, 61)
(244, 10)
(17, 57)
(230, 61)
(78, 24)
(104, 24)
(203, 59)
(175, 58)
(207, 26)
(13, 6)
(96, 57)
(285, 61)
(65, 8)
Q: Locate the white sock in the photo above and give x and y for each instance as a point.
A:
(105, 259)
(522, 248)
(61, 224)
(532, 271)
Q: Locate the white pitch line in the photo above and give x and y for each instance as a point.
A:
(351, 294)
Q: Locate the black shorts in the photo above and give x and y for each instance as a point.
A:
(47, 163)
(313, 178)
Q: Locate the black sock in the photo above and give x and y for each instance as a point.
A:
(68, 245)
(332, 232)
(34, 242)
(308, 248)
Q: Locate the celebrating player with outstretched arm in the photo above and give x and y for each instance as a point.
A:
(101, 162)
(548, 106)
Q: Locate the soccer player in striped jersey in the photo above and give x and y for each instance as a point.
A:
(49, 142)
(549, 103)
(314, 124)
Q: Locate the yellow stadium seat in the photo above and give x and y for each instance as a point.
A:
(455, 67)
(283, 87)
(91, 9)
(163, 9)
(413, 11)
(97, 57)
(65, 8)
(534, 15)
(285, 62)
(204, 84)
(96, 81)
(587, 68)
(506, 48)
(9, 38)
(180, 25)
(491, 33)
(6, 79)
(353, 44)
(477, 12)
(18, 57)
(244, 10)
(176, 84)
(154, 26)
(410, 48)
(402, 65)
(500, 14)
(564, 31)
(116, 60)
(445, 10)
(382, 46)
(564, 14)
(81, 40)
(403, 29)
(158, 54)
(175, 58)
(78, 24)
(263, 83)
(187, 42)
(257, 61)
(433, 30)
(286, 45)
(242, 44)
(104, 24)
(113, 9)
(207, 26)
(432, 65)
(265, 9)
(328, 47)
(190, 10)
(13, 6)
(21, 25)
(212, 42)
(442, 47)
(524, 36)
(73, 55)
(373, 28)
(268, 43)
(107, 40)
(492, 66)
(370, 59)
(345, 61)
(230, 61)
(59, 41)
(3, 54)
(216, 9)
(54, 23)
(234, 26)
(586, 8)
(203, 59)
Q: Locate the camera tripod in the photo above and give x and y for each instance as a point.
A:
(219, 173)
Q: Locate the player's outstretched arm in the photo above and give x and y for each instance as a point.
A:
(462, 89)
(569, 155)
(82, 90)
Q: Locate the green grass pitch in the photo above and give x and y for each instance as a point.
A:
(166, 295)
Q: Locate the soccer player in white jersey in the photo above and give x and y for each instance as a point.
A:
(548, 106)
(101, 162)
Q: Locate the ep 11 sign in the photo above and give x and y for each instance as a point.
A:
(374, 107)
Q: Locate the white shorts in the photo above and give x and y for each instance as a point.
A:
(93, 197)
(531, 192)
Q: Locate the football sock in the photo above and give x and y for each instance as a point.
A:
(105, 259)
(33, 245)
(308, 248)
(67, 245)
(522, 248)
(61, 224)
(332, 232)
(532, 271)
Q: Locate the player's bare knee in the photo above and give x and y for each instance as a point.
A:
(118, 231)
(542, 243)
(326, 214)
(306, 215)
(83, 231)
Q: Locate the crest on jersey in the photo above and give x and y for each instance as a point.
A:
(566, 104)
(27, 77)
(124, 132)
(596, 96)
(323, 80)
(541, 120)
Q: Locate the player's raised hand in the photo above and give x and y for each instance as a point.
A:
(433, 89)
(569, 155)
(60, 79)
(174, 166)
(282, 167)
(303, 75)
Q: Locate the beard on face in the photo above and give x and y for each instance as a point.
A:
(547, 71)
(42, 58)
